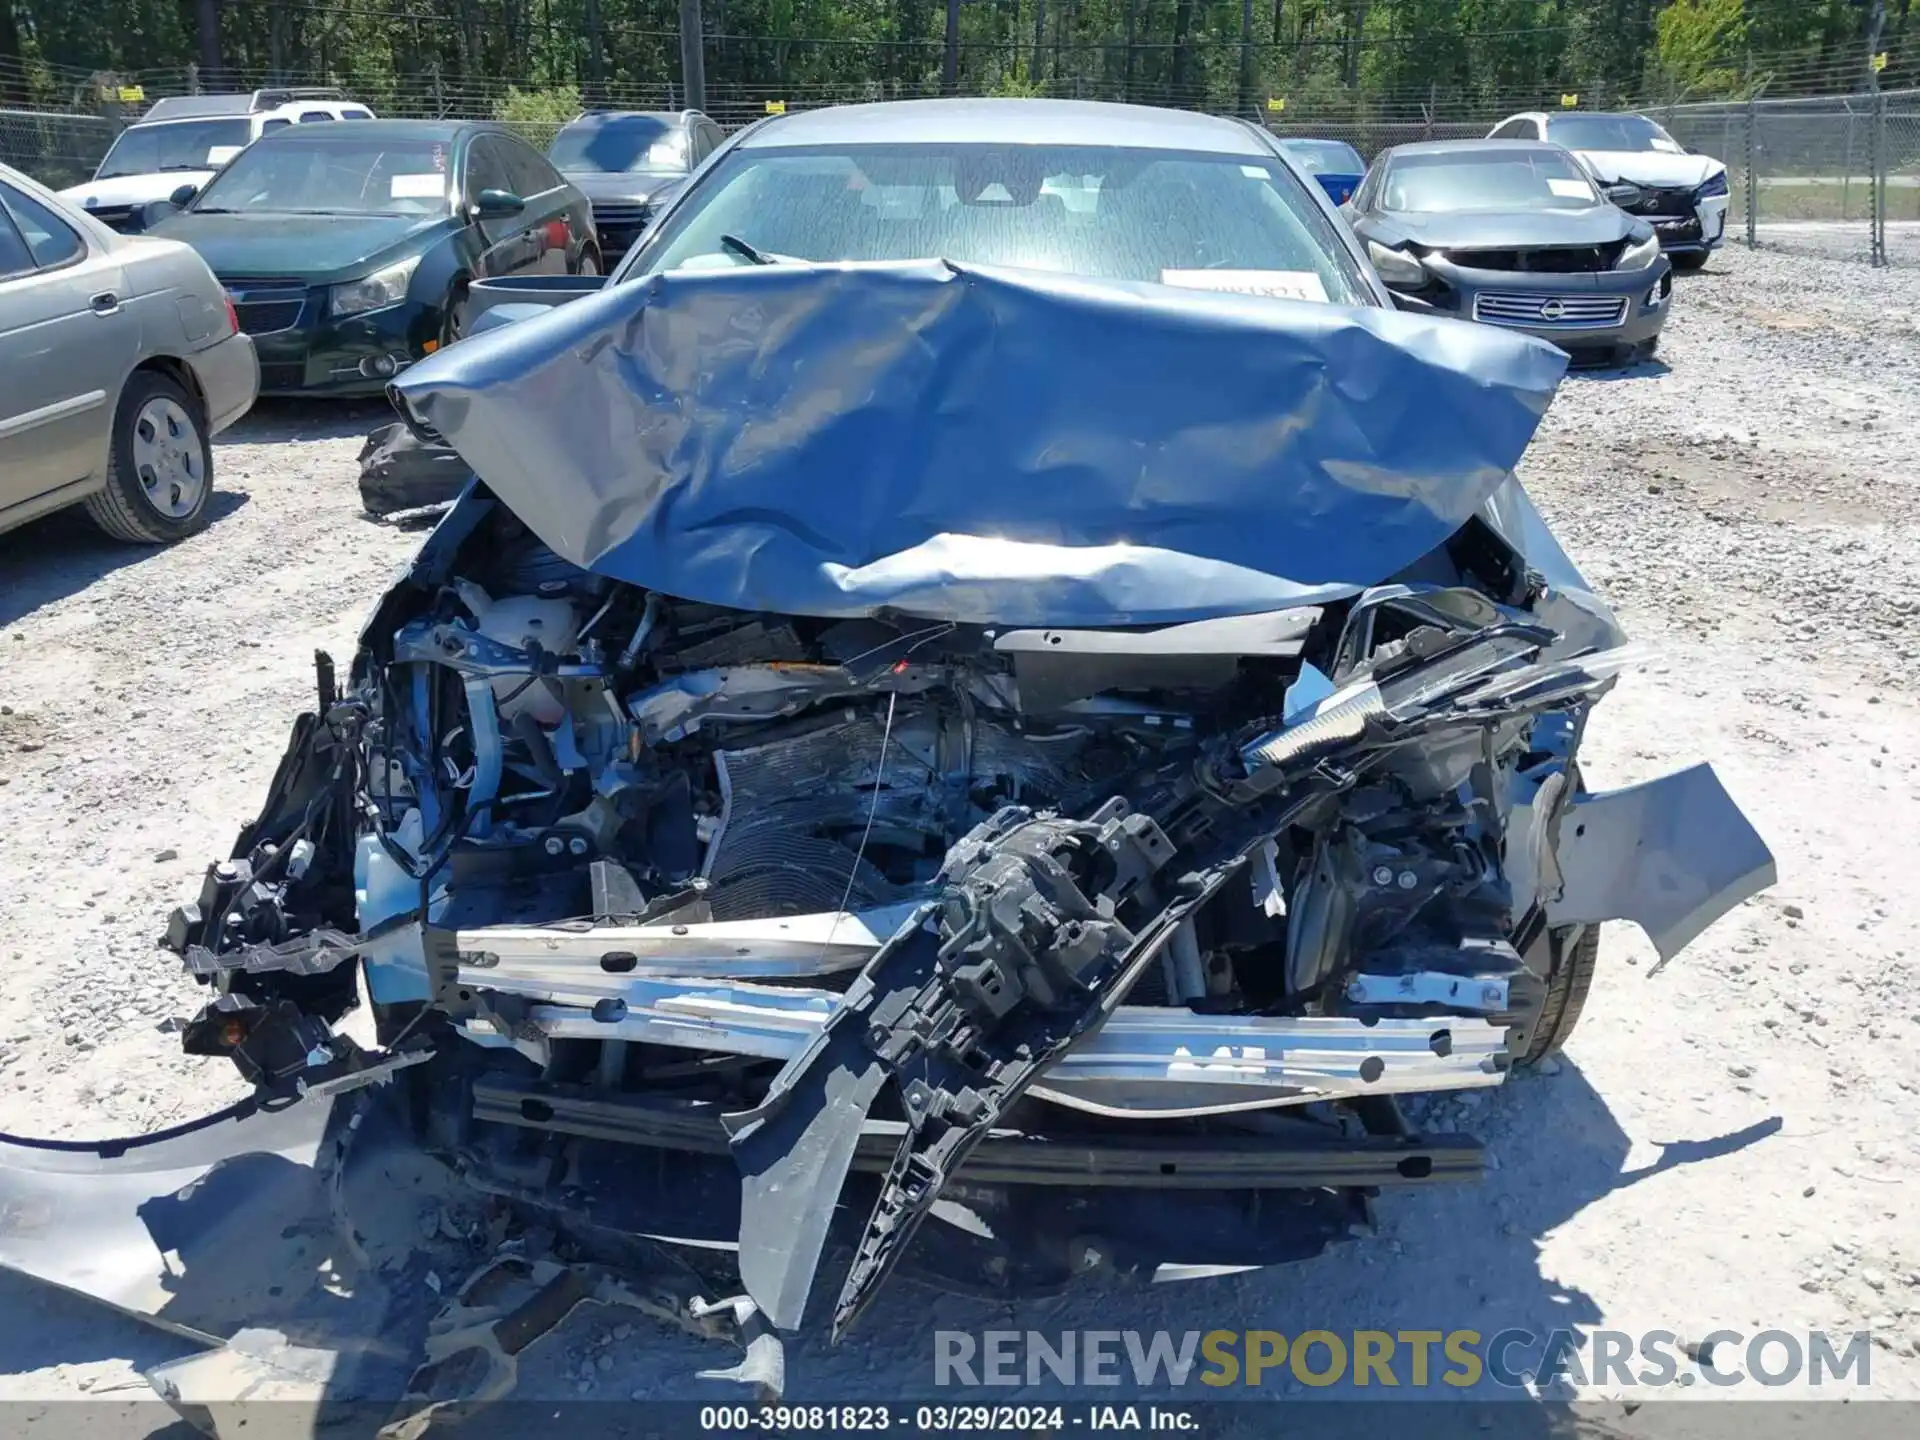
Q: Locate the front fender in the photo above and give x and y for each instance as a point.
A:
(1672, 855)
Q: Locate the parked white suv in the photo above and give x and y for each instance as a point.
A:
(181, 142)
(1644, 171)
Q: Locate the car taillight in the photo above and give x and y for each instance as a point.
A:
(233, 315)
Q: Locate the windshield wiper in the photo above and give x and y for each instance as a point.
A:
(745, 251)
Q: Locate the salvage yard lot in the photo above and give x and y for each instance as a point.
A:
(1727, 1142)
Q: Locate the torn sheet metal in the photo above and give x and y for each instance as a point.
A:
(835, 439)
(1672, 855)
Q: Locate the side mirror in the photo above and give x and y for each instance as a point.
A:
(1622, 193)
(492, 204)
(182, 197)
(154, 211)
(1412, 303)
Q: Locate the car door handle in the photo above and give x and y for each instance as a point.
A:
(105, 303)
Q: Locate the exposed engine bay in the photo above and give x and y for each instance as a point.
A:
(1039, 884)
(844, 790)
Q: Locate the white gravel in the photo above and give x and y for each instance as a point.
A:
(1730, 1142)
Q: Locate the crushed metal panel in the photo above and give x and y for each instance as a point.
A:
(1672, 855)
(837, 439)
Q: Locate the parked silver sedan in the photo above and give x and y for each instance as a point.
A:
(120, 359)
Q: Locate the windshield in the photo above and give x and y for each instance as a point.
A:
(1487, 180)
(1609, 132)
(1325, 157)
(1224, 222)
(632, 144)
(175, 145)
(333, 170)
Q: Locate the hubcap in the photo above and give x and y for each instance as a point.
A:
(168, 458)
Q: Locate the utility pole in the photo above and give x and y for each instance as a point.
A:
(693, 55)
(950, 60)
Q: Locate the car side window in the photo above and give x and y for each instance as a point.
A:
(267, 127)
(307, 117)
(50, 240)
(716, 137)
(486, 168)
(15, 259)
(528, 170)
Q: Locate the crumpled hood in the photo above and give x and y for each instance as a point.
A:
(1651, 167)
(985, 446)
(133, 189)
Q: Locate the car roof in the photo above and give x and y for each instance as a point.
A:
(600, 117)
(378, 129)
(992, 121)
(1471, 147)
(1314, 140)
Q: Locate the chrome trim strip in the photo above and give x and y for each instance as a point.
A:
(47, 414)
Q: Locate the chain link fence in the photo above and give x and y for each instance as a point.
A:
(56, 149)
(1836, 174)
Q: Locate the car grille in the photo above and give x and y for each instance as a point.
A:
(1549, 312)
(619, 223)
(283, 375)
(1662, 202)
(1553, 260)
(266, 306)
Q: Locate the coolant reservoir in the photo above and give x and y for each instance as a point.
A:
(522, 621)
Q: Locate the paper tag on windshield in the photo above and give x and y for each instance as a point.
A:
(1280, 284)
(1668, 147)
(665, 153)
(1570, 189)
(220, 154)
(418, 187)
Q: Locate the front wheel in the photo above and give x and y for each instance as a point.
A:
(1568, 984)
(1689, 261)
(589, 263)
(454, 324)
(159, 467)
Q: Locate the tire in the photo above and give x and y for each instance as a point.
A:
(159, 466)
(589, 263)
(1567, 988)
(454, 324)
(1689, 262)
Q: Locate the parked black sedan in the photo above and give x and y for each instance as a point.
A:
(628, 162)
(348, 249)
(1517, 235)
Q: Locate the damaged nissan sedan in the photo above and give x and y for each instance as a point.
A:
(978, 766)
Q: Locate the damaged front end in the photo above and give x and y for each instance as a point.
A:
(782, 841)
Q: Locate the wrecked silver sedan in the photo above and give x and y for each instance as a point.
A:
(919, 765)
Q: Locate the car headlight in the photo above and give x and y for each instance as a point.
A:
(377, 291)
(1395, 267)
(1639, 255)
(1716, 185)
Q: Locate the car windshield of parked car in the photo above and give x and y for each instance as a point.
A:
(1104, 212)
(332, 170)
(1325, 157)
(623, 144)
(1486, 180)
(1610, 132)
(174, 145)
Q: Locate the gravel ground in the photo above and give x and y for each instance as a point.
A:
(1728, 1142)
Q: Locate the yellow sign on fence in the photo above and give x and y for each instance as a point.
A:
(1879, 61)
(1276, 103)
(130, 93)
(1567, 102)
(776, 107)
